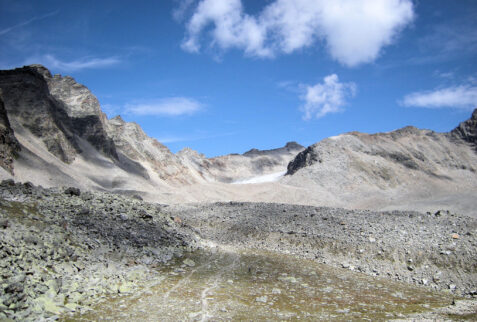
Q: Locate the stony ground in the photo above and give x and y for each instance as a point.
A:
(436, 250)
(63, 250)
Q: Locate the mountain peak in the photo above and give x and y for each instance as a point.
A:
(40, 69)
(118, 119)
(467, 130)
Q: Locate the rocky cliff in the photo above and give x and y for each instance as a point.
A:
(9, 146)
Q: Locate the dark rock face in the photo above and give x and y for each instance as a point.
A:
(303, 159)
(467, 130)
(38, 102)
(9, 145)
(30, 105)
(91, 128)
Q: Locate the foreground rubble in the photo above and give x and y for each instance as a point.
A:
(62, 250)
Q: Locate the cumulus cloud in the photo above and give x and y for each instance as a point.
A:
(461, 97)
(327, 97)
(172, 106)
(52, 62)
(354, 31)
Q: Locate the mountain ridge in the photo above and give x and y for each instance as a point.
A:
(64, 139)
(68, 119)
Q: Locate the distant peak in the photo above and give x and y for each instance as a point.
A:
(293, 145)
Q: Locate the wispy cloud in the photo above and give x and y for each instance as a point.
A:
(27, 22)
(459, 97)
(354, 31)
(179, 12)
(172, 106)
(52, 62)
(326, 97)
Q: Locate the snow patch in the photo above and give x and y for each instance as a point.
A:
(272, 177)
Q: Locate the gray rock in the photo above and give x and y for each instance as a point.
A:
(73, 191)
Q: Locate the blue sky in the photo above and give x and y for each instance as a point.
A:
(224, 76)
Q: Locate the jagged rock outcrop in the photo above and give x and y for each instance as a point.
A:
(83, 108)
(9, 146)
(31, 106)
(56, 109)
(131, 141)
(467, 130)
(303, 159)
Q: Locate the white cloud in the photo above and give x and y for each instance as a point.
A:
(327, 97)
(51, 62)
(354, 31)
(461, 97)
(172, 106)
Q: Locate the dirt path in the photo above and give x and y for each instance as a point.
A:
(223, 285)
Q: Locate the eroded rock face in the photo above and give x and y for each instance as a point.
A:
(468, 130)
(130, 140)
(304, 158)
(56, 109)
(30, 105)
(9, 145)
(84, 110)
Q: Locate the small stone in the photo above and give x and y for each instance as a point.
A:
(261, 299)
(372, 239)
(189, 262)
(126, 287)
(4, 223)
(455, 236)
(71, 306)
(144, 215)
(8, 182)
(452, 287)
(73, 191)
(410, 268)
(84, 211)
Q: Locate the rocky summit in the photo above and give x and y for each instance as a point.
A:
(100, 221)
